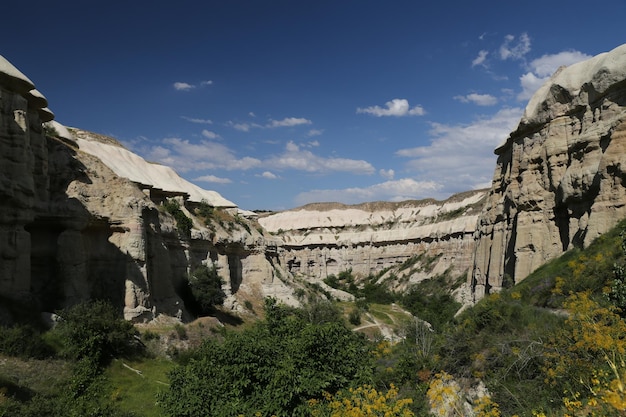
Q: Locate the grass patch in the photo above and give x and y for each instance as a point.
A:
(134, 390)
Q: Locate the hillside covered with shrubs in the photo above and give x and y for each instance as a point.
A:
(553, 345)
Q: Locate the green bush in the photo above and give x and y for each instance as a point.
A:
(183, 223)
(24, 341)
(206, 288)
(94, 330)
(273, 368)
(205, 211)
(354, 317)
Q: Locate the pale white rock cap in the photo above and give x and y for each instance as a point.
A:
(36, 100)
(12, 79)
(61, 130)
(129, 165)
(597, 73)
(45, 115)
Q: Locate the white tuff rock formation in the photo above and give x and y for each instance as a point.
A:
(325, 239)
(80, 218)
(560, 179)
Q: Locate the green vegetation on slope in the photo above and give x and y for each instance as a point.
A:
(553, 345)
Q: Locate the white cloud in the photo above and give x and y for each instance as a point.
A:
(286, 122)
(311, 144)
(180, 86)
(460, 157)
(243, 127)
(305, 160)
(209, 134)
(387, 174)
(213, 179)
(397, 107)
(183, 156)
(515, 50)
(314, 132)
(397, 190)
(199, 121)
(542, 68)
(289, 121)
(480, 59)
(479, 99)
(268, 175)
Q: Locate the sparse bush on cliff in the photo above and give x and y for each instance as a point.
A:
(183, 223)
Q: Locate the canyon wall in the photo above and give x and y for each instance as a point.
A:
(560, 177)
(73, 227)
(325, 239)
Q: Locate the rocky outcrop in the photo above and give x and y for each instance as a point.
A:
(83, 218)
(560, 178)
(23, 175)
(323, 239)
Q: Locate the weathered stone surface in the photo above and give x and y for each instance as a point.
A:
(559, 181)
(323, 239)
(80, 218)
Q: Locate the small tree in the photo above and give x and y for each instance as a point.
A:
(96, 331)
(206, 288)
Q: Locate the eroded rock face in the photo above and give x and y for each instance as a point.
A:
(23, 173)
(325, 239)
(560, 178)
(72, 228)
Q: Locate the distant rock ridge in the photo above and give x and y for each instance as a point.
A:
(323, 239)
(560, 178)
(82, 217)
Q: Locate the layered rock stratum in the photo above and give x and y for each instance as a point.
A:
(325, 239)
(560, 177)
(82, 218)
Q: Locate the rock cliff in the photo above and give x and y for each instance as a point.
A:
(328, 238)
(83, 218)
(560, 177)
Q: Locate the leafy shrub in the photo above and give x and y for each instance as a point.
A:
(617, 291)
(320, 312)
(183, 223)
(205, 211)
(370, 291)
(94, 330)
(332, 281)
(273, 367)
(354, 317)
(206, 288)
(430, 300)
(24, 341)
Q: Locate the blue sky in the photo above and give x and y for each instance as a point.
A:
(275, 104)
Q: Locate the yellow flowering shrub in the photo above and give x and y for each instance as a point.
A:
(444, 396)
(364, 401)
(446, 400)
(589, 356)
